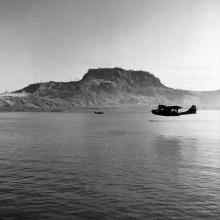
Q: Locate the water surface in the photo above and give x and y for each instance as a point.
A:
(112, 166)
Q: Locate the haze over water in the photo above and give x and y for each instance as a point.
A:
(112, 166)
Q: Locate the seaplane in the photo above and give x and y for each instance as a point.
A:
(164, 110)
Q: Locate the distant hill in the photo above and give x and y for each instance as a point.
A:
(112, 88)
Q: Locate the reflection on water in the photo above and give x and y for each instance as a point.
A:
(112, 166)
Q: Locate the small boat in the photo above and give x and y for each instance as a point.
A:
(99, 112)
(164, 110)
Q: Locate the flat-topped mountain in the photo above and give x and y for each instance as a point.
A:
(105, 88)
(107, 80)
(118, 75)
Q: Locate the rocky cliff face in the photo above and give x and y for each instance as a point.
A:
(105, 88)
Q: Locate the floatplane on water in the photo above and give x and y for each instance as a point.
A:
(164, 110)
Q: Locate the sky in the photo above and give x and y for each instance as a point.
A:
(59, 40)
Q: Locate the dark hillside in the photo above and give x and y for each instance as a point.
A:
(105, 88)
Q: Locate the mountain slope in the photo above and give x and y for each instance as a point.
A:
(105, 88)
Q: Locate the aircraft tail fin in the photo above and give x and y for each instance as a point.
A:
(192, 110)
